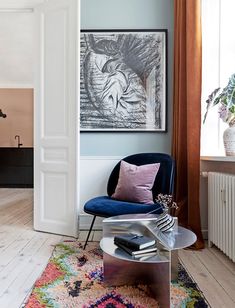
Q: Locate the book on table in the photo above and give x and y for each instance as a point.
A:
(138, 253)
(145, 257)
(134, 241)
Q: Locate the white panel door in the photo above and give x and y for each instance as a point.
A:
(56, 111)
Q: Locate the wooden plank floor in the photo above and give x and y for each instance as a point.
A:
(214, 274)
(24, 254)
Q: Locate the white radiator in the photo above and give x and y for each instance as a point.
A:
(221, 205)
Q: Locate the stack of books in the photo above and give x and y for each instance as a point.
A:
(137, 246)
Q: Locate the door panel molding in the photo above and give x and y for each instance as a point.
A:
(56, 134)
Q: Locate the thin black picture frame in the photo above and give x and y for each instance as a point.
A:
(131, 95)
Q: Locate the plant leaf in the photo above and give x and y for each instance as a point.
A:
(209, 101)
(227, 96)
(231, 91)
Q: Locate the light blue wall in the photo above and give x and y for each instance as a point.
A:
(129, 14)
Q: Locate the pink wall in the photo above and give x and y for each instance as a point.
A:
(18, 106)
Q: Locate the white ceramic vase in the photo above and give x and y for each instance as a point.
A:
(229, 141)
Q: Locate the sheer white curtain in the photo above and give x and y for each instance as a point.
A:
(218, 64)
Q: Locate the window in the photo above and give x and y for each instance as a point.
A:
(218, 64)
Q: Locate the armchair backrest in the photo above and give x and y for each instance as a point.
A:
(164, 181)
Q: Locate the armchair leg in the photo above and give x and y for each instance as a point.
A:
(88, 235)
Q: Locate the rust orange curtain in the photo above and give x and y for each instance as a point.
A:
(187, 113)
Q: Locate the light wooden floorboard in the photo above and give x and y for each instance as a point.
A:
(24, 254)
(214, 273)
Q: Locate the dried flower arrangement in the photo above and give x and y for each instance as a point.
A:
(166, 201)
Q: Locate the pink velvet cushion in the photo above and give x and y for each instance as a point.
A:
(135, 183)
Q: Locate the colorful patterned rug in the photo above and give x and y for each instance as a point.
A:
(73, 278)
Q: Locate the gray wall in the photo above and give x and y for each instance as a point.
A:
(129, 14)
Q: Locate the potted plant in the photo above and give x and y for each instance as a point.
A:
(226, 101)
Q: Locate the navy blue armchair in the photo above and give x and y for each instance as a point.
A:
(105, 206)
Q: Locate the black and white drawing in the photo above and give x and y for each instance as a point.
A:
(123, 80)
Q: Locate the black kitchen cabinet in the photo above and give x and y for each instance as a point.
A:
(16, 167)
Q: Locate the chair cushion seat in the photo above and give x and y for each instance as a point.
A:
(104, 206)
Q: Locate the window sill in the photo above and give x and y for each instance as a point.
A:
(218, 158)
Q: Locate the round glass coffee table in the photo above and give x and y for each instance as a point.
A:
(156, 270)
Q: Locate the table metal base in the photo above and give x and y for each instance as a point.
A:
(156, 275)
(121, 269)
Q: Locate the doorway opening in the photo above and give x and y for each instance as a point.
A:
(17, 35)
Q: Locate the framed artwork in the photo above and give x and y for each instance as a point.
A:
(123, 80)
